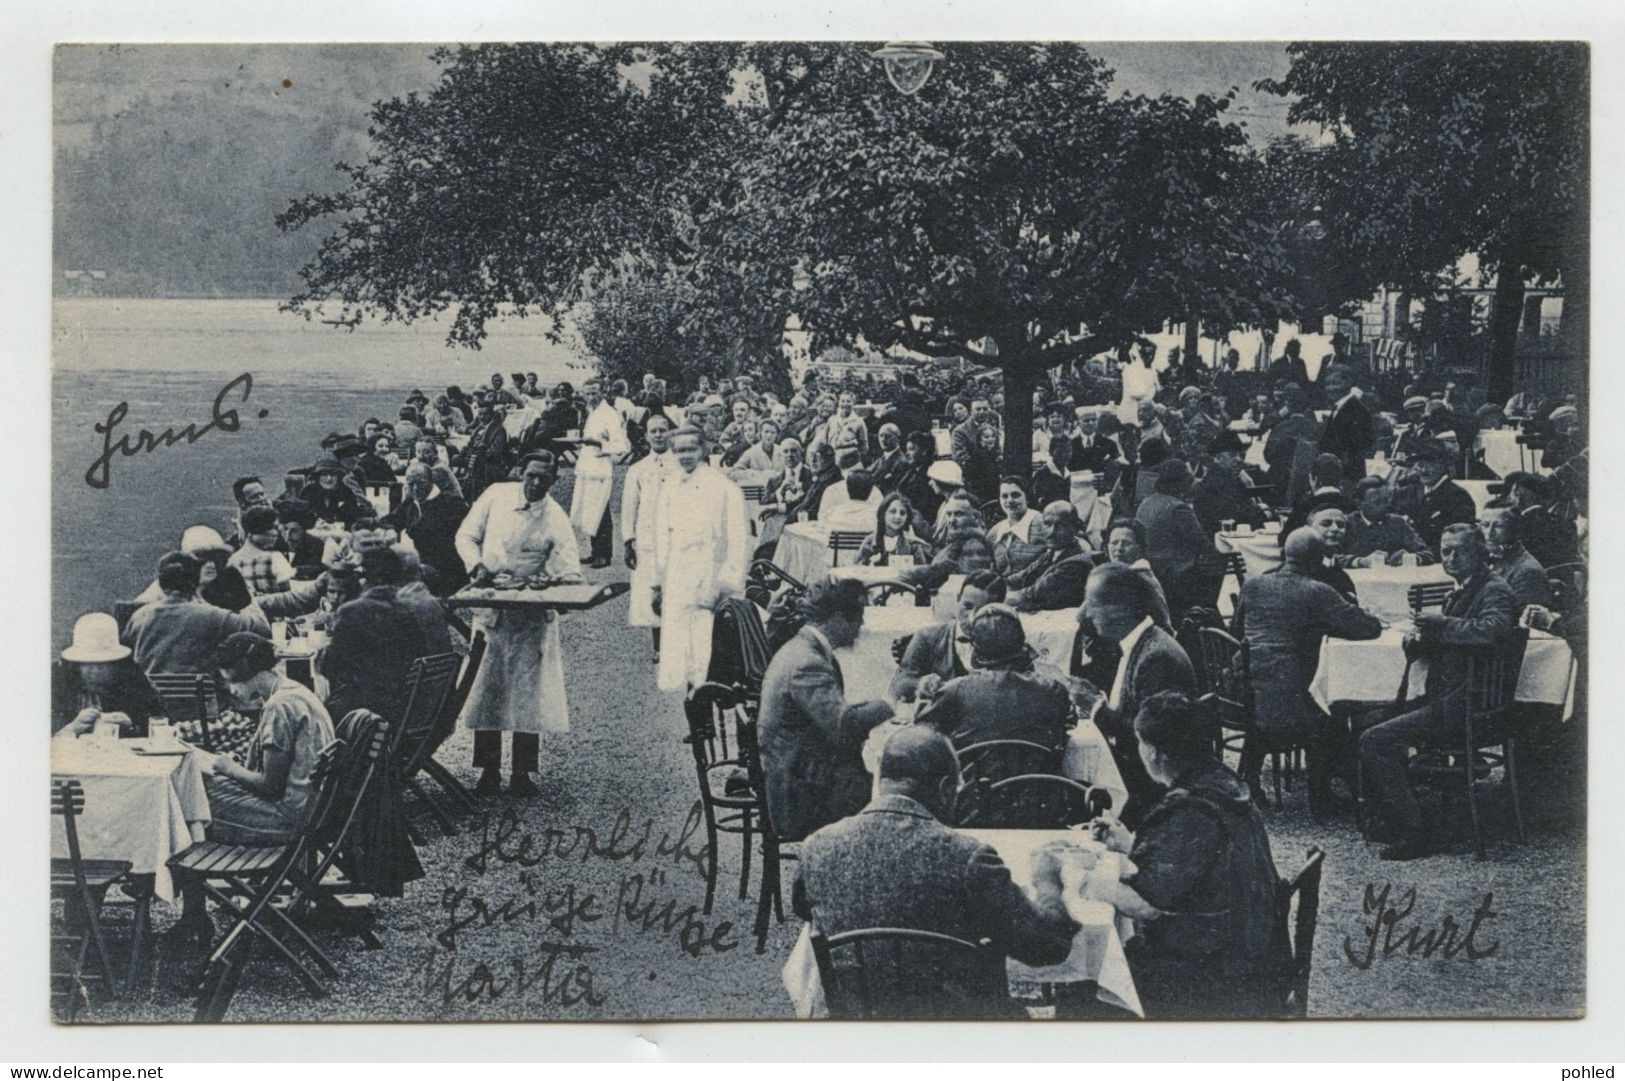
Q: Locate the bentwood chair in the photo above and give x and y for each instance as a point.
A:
(895, 973)
(1488, 737)
(998, 759)
(81, 886)
(729, 801)
(774, 851)
(1032, 801)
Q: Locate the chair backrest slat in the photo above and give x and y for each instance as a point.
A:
(429, 683)
(893, 972)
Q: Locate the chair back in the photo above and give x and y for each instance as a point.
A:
(1200, 585)
(1222, 668)
(1492, 683)
(752, 492)
(1304, 888)
(1428, 595)
(714, 712)
(765, 578)
(894, 973)
(1032, 801)
(740, 650)
(429, 683)
(843, 542)
(750, 754)
(998, 759)
(68, 801)
(189, 696)
(326, 781)
(877, 593)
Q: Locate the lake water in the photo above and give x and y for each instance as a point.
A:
(168, 359)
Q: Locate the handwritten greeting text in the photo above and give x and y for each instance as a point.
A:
(1446, 939)
(99, 475)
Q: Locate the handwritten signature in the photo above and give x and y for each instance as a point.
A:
(522, 878)
(1446, 939)
(99, 475)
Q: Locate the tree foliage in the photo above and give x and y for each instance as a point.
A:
(1013, 199)
(1439, 150)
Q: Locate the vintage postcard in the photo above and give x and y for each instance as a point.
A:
(791, 530)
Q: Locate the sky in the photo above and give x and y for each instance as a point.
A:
(96, 81)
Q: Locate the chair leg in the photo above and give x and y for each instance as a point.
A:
(93, 931)
(1472, 808)
(448, 781)
(747, 842)
(770, 870)
(141, 941)
(1511, 767)
(711, 861)
(447, 826)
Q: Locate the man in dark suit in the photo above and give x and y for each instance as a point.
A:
(1283, 617)
(915, 481)
(892, 462)
(1479, 614)
(812, 740)
(1002, 697)
(1348, 432)
(966, 441)
(1055, 579)
(1550, 539)
(943, 650)
(1290, 365)
(1521, 571)
(431, 520)
(897, 864)
(1174, 535)
(1223, 493)
(487, 457)
(1444, 502)
(372, 643)
(1118, 606)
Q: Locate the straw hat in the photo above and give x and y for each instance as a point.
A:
(95, 640)
(200, 538)
(946, 472)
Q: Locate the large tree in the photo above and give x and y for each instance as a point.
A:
(1013, 200)
(1438, 150)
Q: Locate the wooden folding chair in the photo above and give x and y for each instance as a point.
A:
(1428, 595)
(81, 885)
(246, 879)
(1304, 888)
(843, 541)
(421, 730)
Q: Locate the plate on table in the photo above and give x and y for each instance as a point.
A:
(150, 746)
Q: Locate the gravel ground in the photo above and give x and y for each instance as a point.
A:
(585, 927)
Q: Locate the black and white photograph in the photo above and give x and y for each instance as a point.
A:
(660, 530)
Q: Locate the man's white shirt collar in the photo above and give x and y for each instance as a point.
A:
(1132, 638)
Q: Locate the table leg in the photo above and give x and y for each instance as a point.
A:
(140, 889)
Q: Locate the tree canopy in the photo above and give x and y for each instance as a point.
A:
(1013, 199)
(1439, 150)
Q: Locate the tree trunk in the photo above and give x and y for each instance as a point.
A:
(1022, 371)
(1505, 316)
(1193, 335)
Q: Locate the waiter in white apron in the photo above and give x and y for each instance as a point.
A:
(517, 530)
(640, 500)
(603, 443)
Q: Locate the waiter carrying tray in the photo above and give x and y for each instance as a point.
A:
(515, 532)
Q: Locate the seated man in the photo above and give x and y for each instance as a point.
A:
(1118, 606)
(263, 566)
(372, 643)
(898, 864)
(1478, 614)
(1224, 493)
(1002, 697)
(429, 519)
(1550, 538)
(1283, 617)
(943, 650)
(857, 512)
(1375, 537)
(179, 632)
(1329, 517)
(1175, 539)
(1444, 502)
(811, 738)
(295, 519)
(1056, 578)
(1509, 558)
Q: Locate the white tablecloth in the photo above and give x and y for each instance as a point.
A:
(868, 665)
(1385, 591)
(1370, 671)
(1480, 491)
(140, 808)
(1097, 950)
(1260, 551)
(517, 419)
(945, 442)
(803, 551)
(1501, 453)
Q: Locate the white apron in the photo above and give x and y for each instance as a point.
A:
(640, 497)
(595, 467)
(702, 549)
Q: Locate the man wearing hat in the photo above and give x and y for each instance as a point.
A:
(1444, 502)
(96, 679)
(915, 483)
(1223, 492)
(947, 480)
(1552, 540)
(1174, 536)
(179, 632)
(1002, 697)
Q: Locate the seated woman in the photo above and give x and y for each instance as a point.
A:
(377, 465)
(269, 798)
(1203, 893)
(329, 496)
(894, 535)
(96, 679)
